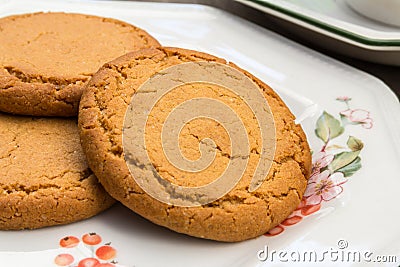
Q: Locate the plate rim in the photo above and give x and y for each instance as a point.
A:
(310, 22)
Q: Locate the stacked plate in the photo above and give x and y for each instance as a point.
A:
(337, 26)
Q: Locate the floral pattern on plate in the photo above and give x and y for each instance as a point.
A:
(333, 164)
(88, 252)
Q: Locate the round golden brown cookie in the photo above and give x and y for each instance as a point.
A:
(46, 58)
(44, 177)
(180, 137)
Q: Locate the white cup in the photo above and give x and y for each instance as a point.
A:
(386, 11)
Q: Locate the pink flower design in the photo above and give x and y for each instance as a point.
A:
(343, 98)
(358, 116)
(324, 186)
(320, 160)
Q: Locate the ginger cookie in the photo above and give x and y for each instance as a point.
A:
(46, 58)
(193, 143)
(44, 177)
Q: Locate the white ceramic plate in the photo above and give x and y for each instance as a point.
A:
(374, 41)
(365, 214)
(340, 17)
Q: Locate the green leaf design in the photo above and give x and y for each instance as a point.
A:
(328, 127)
(354, 143)
(334, 147)
(343, 159)
(351, 168)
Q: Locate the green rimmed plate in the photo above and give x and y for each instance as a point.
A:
(339, 27)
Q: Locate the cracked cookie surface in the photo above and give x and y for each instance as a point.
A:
(240, 214)
(44, 177)
(46, 58)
